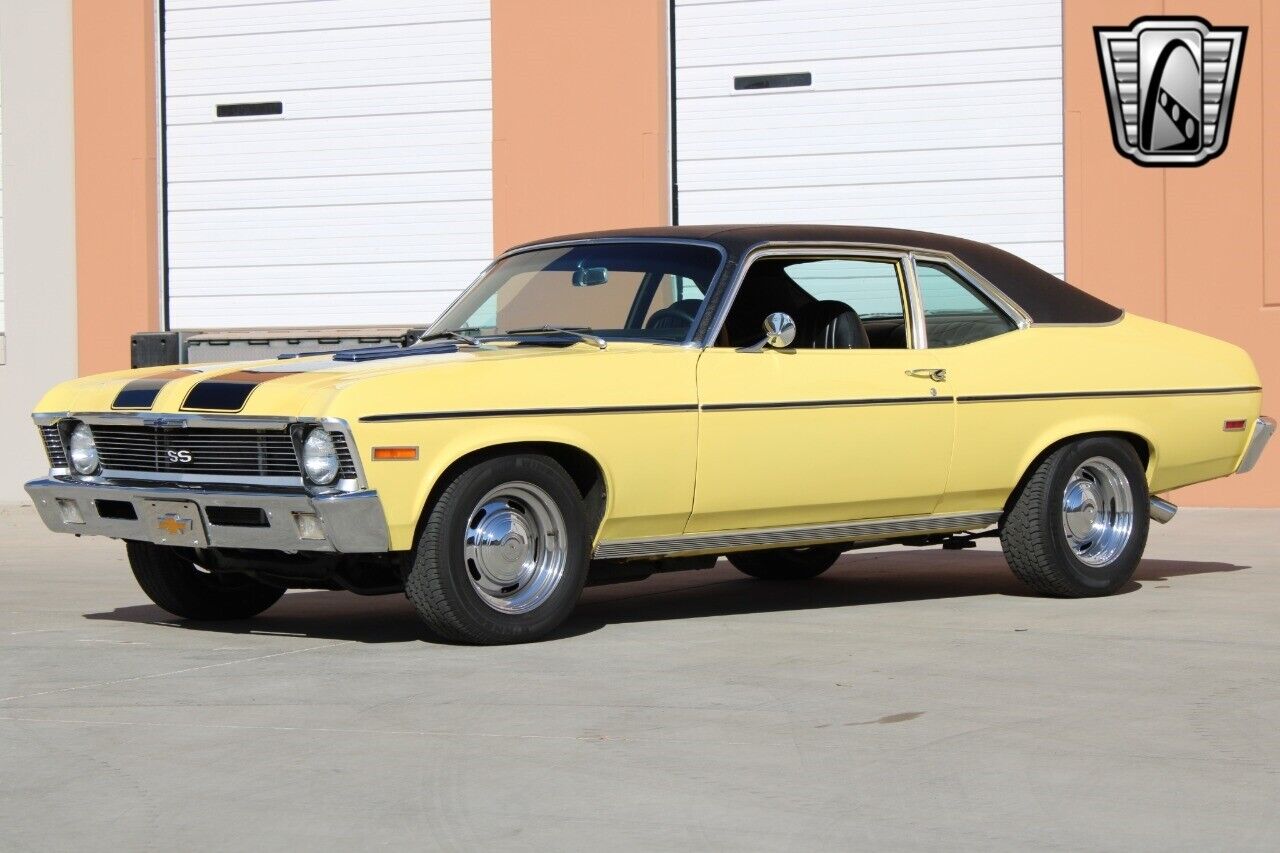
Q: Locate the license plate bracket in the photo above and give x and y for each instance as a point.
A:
(176, 523)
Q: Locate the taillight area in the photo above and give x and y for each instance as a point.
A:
(1234, 426)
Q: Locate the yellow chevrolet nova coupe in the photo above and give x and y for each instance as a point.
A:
(605, 406)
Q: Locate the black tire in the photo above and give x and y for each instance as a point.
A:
(439, 585)
(785, 564)
(175, 584)
(1035, 539)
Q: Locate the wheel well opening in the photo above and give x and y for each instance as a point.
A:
(1137, 442)
(581, 467)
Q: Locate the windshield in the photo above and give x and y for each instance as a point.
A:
(618, 291)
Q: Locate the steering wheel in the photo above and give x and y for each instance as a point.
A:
(676, 314)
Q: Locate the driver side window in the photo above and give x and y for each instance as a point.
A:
(836, 303)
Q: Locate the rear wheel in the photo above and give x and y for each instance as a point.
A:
(1079, 524)
(785, 564)
(504, 553)
(179, 586)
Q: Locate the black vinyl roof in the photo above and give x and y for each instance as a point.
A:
(1046, 298)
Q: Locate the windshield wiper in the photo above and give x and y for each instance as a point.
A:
(582, 334)
(453, 336)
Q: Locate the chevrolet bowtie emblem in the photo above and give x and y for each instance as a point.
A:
(1170, 85)
(174, 525)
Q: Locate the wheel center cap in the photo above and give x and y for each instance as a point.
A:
(1080, 509)
(512, 548)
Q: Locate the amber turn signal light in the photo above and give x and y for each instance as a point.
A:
(389, 454)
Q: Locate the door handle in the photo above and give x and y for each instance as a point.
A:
(937, 374)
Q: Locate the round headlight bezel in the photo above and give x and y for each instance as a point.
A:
(82, 450)
(319, 457)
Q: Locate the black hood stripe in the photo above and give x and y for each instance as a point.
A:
(229, 392)
(140, 394)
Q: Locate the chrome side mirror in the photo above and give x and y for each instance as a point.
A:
(779, 330)
(779, 333)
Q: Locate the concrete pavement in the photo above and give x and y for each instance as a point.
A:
(909, 699)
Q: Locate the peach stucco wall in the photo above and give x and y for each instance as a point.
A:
(1197, 247)
(113, 49)
(579, 116)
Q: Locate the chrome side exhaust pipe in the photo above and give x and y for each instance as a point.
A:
(1161, 510)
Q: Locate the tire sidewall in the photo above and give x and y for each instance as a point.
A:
(450, 564)
(1098, 580)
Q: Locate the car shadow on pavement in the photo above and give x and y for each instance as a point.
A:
(888, 577)
(884, 578)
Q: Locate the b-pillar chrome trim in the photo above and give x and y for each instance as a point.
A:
(780, 537)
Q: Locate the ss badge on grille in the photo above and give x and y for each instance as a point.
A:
(179, 455)
(1171, 84)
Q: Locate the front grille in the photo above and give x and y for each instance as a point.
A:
(228, 452)
(53, 446)
(346, 466)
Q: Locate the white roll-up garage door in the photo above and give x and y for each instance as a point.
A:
(328, 162)
(939, 115)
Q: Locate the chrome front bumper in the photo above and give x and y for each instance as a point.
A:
(1263, 428)
(346, 522)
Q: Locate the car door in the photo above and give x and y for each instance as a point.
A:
(967, 329)
(820, 432)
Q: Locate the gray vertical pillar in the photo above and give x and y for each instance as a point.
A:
(36, 95)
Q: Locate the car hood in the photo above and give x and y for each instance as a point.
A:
(433, 377)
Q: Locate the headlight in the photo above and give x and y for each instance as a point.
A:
(320, 457)
(84, 451)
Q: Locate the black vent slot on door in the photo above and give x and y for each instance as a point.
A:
(265, 108)
(773, 81)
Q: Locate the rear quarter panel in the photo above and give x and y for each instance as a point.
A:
(998, 440)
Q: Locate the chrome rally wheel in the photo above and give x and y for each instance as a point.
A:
(514, 547)
(1097, 511)
(503, 553)
(1077, 525)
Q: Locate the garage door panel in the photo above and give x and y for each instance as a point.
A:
(344, 294)
(982, 203)
(279, 191)
(203, 19)
(374, 179)
(339, 308)
(942, 116)
(328, 59)
(837, 113)
(878, 167)
(884, 72)
(787, 30)
(424, 98)
(349, 135)
(332, 234)
(918, 132)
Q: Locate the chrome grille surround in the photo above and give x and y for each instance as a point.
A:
(160, 450)
(225, 449)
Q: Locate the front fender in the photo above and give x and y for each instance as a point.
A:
(647, 461)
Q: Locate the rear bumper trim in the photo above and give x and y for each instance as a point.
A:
(1263, 428)
(353, 522)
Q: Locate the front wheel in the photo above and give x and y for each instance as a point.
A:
(503, 555)
(785, 564)
(179, 586)
(1078, 526)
